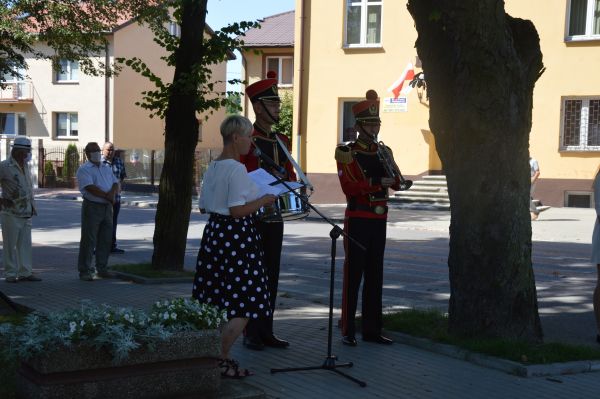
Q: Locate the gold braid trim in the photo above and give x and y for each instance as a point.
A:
(343, 154)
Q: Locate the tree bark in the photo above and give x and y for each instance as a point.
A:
(481, 66)
(181, 137)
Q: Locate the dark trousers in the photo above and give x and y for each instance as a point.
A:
(371, 233)
(272, 238)
(116, 209)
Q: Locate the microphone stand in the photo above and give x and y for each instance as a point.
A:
(330, 360)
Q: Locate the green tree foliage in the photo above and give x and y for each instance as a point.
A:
(235, 103)
(286, 115)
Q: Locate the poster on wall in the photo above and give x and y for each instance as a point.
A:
(391, 104)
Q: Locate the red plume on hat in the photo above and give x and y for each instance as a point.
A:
(264, 89)
(367, 110)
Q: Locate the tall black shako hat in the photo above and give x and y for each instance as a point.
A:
(265, 89)
(367, 111)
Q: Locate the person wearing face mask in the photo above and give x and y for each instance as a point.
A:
(16, 210)
(98, 186)
(365, 183)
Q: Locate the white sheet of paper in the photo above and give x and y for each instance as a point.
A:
(265, 181)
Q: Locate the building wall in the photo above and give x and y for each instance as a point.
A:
(254, 69)
(330, 74)
(85, 97)
(133, 128)
(571, 70)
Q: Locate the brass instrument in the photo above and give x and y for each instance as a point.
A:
(390, 166)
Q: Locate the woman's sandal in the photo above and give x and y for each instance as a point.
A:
(231, 369)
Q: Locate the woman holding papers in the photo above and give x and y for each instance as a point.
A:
(229, 271)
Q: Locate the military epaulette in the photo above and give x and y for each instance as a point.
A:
(343, 154)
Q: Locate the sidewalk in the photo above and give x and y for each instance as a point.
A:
(561, 239)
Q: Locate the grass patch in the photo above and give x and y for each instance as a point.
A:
(8, 365)
(433, 325)
(146, 270)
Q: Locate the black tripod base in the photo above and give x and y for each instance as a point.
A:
(328, 364)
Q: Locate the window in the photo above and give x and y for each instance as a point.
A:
(66, 125)
(174, 29)
(69, 71)
(284, 66)
(576, 199)
(348, 132)
(12, 124)
(581, 124)
(584, 19)
(363, 23)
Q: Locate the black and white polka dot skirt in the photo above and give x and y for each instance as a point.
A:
(230, 270)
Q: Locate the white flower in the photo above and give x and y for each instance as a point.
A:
(174, 316)
(82, 323)
(166, 316)
(72, 327)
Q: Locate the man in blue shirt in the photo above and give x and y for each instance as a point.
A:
(118, 168)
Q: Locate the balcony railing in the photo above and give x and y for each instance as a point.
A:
(17, 92)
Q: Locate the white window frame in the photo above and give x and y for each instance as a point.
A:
(279, 70)
(68, 71)
(363, 23)
(69, 135)
(583, 128)
(18, 116)
(342, 102)
(589, 23)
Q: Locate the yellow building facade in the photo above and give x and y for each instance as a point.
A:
(344, 48)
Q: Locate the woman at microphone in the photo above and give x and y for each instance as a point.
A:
(229, 271)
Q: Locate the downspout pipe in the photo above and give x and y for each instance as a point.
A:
(106, 94)
(245, 65)
(300, 91)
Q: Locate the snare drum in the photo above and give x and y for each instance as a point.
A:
(291, 207)
(287, 207)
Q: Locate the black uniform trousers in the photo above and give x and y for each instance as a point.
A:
(272, 238)
(371, 233)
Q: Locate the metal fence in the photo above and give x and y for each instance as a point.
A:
(143, 166)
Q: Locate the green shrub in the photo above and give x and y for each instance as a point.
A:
(71, 161)
(286, 116)
(48, 168)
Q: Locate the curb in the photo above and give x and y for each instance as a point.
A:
(508, 366)
(145, 280)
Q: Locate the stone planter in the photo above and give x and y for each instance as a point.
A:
(183, 365)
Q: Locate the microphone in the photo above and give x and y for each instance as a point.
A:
(265, 158)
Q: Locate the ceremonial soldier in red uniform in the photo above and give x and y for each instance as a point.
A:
(266, 104)
(365, 179)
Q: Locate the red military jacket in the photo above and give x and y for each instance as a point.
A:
(360, 171)
(268, 145)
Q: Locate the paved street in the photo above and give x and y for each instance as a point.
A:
(415, 275)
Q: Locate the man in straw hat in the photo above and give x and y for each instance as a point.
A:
(266, 104)
(365, 182)
(17, 207)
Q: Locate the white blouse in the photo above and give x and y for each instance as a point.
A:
(225, 184)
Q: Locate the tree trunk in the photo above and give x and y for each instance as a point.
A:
(481, 66)
(181, 137)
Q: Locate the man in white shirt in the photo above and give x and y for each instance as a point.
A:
(17, 207)
(98, 186)
(535, 174)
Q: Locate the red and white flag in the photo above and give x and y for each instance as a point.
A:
(407, 74)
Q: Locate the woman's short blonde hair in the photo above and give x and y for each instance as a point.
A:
(235, 124)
